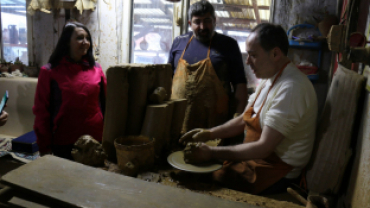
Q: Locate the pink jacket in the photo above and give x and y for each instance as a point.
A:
(69, 102)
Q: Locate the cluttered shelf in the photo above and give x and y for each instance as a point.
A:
(307, 43)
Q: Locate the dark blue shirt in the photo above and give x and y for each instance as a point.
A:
(225, 56)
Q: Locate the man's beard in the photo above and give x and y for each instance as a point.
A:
(206, 36)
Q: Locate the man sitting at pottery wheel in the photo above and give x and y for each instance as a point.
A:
(279, 120)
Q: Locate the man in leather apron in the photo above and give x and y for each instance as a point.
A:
(279, 120)
(208, 71)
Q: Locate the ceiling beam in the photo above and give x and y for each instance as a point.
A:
(138, 16)
(236, 7)
(228, 28)
(222, 20)
(256, 11)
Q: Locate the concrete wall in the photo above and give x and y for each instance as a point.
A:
(46, 30)
(288, 13)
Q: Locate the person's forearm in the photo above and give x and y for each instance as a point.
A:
(240, 152)
(241, 96)
(260, 149)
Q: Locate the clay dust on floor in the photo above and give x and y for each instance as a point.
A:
(180, 179)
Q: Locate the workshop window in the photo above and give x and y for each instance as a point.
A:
(151, 31)
(14, 30)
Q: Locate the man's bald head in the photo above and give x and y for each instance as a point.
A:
(270, 36)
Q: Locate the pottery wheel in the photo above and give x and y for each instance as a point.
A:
(176, 159)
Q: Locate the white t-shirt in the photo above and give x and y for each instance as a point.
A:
(291, 109)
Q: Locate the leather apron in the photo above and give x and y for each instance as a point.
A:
(207, 100)
(253, 176)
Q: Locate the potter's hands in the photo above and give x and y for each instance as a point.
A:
(198, 153)
(3, 118)
(196, 135)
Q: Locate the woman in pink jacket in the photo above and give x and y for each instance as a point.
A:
(70, 94)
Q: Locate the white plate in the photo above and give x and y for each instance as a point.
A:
(176, 159)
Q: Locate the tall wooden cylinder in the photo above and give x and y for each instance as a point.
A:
(178, 116)
(151, 86)
(167, 128)
(160, 75)
(154, 125)
(116, 108)
(137, 97)
(169, 75)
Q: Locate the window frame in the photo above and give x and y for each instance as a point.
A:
(29, 25)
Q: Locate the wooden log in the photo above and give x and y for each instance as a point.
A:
(178, 116)
(154, 125)
(137, 97)
(167, 129)
(151, 79)
(116, 108)
(163, 77)
(169, 75)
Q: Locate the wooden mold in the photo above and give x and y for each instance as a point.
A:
(160, 76)
(154, 125)
(137, 96)
(178, 117)
(167, 128)
(116, 108)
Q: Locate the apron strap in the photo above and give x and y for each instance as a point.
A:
(209, 47)
(183, 52)
(258, 93)
(273, 83)
(186, 47)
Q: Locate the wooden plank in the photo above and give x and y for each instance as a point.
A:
(237, 7)
(235, 20)
(256, 12)
(84, 186)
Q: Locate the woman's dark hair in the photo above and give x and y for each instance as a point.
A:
(63, 47)
(271, 36)
(201, 8)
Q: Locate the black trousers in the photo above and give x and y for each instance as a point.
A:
(63, 151)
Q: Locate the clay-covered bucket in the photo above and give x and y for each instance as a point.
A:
(134, 154)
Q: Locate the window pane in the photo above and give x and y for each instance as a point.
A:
(14, 30)
(151, 31)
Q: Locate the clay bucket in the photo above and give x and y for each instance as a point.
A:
(134, 154)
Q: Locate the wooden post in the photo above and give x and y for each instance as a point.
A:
(167, 129)
(163, 77)
(137, 97)
(178, 116)
(116, 109)
(154, 125)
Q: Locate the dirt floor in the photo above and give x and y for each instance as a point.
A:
(168, 176)
(198, 183)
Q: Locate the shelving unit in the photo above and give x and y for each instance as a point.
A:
(306, 45)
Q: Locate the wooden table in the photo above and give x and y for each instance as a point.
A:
(57, 182)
